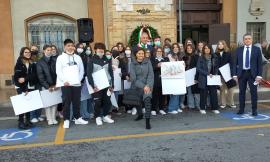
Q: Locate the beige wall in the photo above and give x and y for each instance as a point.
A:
(6, 43)
(122, 23)
(23, 9)
(229, 15)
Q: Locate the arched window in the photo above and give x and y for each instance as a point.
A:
(50, 29)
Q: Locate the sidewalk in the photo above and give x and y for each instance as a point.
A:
(5, 97)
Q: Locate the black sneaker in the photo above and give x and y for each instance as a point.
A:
(28, 124)
(21, 125)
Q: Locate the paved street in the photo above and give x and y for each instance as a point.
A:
(188, 136)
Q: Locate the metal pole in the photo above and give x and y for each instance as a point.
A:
(180, 4)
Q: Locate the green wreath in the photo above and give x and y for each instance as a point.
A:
(135, 36)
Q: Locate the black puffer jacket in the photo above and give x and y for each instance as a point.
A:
(46, 72)
(21, 71)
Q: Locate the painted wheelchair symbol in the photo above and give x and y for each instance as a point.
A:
(15, 136)
(260, 117)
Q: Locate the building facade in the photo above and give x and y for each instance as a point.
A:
(26, 22)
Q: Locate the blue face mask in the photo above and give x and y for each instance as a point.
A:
(157, 43)
(108, 57)
(167, 50)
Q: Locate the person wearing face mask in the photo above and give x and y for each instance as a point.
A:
(86, 108)
(47, 79)
(102, 100)
(35, 56)
(25, 79)
(55, 54)
(167, 50)
(35, 115)
(157, 42)
(71, 87)
(158, 98)
(126, 76)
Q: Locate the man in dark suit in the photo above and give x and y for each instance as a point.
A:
(248, 69)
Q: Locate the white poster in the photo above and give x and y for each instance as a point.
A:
(226, 72)
(173, 86)
(100, 80)
(51, 98)
(25, 103)
(127, 84)
(173, 69)
(114, 101)
(117, 79)
(190, 77)
(173, 78)
(72, 74)
(215, 80)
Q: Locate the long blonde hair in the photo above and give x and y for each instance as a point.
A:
(226, 48)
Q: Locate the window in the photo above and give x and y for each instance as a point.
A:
(257, 30)
(51, 29)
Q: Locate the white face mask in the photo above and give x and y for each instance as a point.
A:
(87, 52)
(128, 53)
(79, 50)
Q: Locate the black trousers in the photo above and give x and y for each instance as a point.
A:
(102, 103)
(245, 79)
(212, 90)
(147, 104)
(158, 99)
(71, 95)
(27, 115)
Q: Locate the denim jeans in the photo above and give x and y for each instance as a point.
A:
(86, 108)
(35, 114)
(193, 100)
(181, 101)
(174, 103)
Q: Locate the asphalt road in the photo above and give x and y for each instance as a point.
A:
(188, 137)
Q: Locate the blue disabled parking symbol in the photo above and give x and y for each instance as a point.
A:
(247, 118)
(15, 135)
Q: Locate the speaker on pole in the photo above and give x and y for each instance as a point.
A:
(85, 30)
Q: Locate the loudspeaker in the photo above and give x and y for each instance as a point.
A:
(85, 30)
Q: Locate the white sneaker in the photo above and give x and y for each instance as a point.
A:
(81, 121)
(98, 121)
(143, 110)
(202, 111)
(133, 111)
(222, 106)
(129, 111)
(41, 119)
(180, 110)
(107, 119)
(233, 106)
(66, 124)
(183, 106)
(153, 113)
(50, 122)
(55, 121)
(215, 111)
(173, 112)
(162, 112)
(34, 120)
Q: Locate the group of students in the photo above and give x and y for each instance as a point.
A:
(140, 65)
